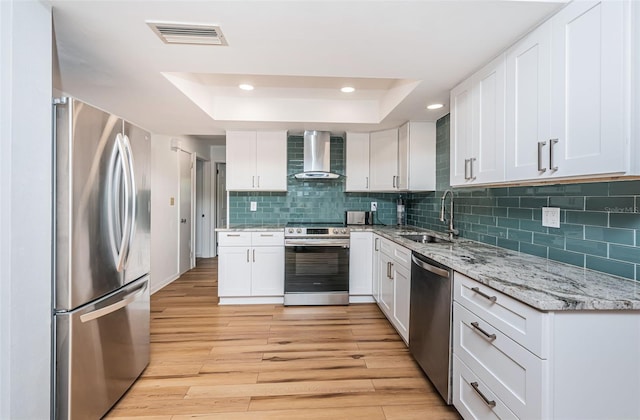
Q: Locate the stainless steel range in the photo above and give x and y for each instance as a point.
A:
(316, 264)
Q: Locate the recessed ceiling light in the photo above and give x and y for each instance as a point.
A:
(348, 89)
(245, 86)
(435, 106)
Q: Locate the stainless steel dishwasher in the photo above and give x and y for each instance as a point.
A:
(430, 321)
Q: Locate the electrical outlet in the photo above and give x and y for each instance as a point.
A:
(254, 206)
(374, 206)
(551, 217)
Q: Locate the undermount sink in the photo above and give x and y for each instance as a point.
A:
(424, 238)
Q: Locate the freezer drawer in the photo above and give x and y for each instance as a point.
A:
(101, 348)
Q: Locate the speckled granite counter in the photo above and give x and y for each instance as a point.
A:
(538, 282)
(253, 228)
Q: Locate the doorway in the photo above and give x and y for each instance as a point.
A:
(221, 198)
(186, 234)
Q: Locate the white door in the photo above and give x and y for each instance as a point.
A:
(401, 300)
(588, 66)
(386, 285)
(357, 169)
(241, 158)
(267, 271)
(221, 198)
(461, 127)
(402, 181)
(234, 270)
(488, 123)
(271, 161)
(527, 117)
(185, 213)
(360, 263)
(383, 163)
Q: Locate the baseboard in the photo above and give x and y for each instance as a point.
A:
(361, 299)
(258, 300)
(168, 281)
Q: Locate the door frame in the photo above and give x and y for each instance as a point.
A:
(192, 243)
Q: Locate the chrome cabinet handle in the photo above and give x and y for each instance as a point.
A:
(541, 144)
(471, 176)
(466, 169)
(490, 403)
(253, 181)
(258, 184)
(366, 178)
(388, 270)
(486, 334)
(254, 255)
(247, 255)
(394, 181)
(484, 295)
(233, 234)
(266, 234)
(375, 244)
(551, 165)
(391, 270)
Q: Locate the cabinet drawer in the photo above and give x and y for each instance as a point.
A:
(518, 321)
(234, 239)
(514, 374)
(468, 400)
(400, 254)
(267, 238)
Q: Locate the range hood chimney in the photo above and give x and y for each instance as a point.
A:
(317, 154)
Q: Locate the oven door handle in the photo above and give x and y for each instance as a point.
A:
(323, 243)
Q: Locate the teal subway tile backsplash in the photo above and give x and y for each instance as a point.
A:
(600, 221)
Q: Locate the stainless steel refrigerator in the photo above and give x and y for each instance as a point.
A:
(102, 259)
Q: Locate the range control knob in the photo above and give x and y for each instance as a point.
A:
(335, 231)
(344, 231)
(290, 230)
(298, 230)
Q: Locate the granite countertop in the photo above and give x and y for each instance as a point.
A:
(253, 228)
(541, 283)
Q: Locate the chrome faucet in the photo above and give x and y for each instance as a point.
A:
(452, 231)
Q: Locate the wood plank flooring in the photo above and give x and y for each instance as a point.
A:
(271, 362)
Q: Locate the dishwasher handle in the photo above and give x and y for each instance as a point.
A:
(435, 270)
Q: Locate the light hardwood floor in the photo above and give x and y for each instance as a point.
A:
(272, 362)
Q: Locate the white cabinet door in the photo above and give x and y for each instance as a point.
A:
(360, 263)
(357, 168)
(384, 160)
(234, 271)
(527, 116)
(386, 285)
(401, 299)
(267, 271)
(375, 287)
(241, 160)
(417, 156)
(271, 161)
(487, 157)
(588, 82)
(461, 126)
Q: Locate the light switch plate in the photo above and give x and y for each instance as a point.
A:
(254, 206)
(374, 206)
(551, 217)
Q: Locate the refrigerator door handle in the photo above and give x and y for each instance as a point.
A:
(118, 163)
(132, 197)
(127, 300)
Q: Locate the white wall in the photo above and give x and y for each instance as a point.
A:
(165, 183)
(25, 209)
(217, 154)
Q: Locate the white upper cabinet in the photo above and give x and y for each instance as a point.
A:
(383, 161)
(527, 116)
(477, 127)
(416, 157)
(403, 159)
(566, 86)
(588, 69)
(357, 166)
(256, 161)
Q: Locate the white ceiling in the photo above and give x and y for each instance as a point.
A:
(400, 56)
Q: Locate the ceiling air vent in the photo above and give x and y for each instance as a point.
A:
(187, 33)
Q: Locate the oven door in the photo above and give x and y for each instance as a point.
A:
(316, 272)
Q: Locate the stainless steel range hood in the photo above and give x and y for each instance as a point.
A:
(317, 154)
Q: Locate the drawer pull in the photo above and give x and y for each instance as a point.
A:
(266, 235)
(490, 403)
(484, 295)
(486, 334)
(232, 234)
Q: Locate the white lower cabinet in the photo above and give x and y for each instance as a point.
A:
(360, 267)
(251, 267)
(375, 287)
(513, 361)
(394, 278)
